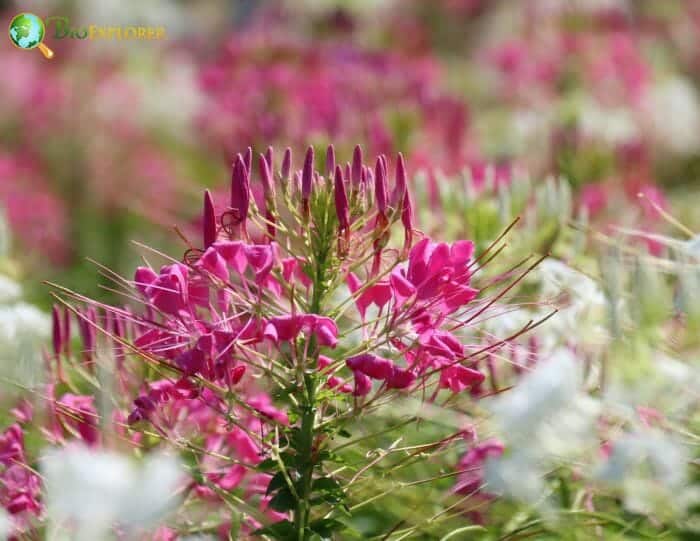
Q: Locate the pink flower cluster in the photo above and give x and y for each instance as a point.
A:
(202, 337)
(68, 150)
(306, 282)
(34, 213)
(270, 86)
(221, 329)
(20, 486)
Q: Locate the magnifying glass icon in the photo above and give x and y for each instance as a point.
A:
(27, 32)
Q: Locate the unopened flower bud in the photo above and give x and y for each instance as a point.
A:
(269, 194)
(397, 195)
(248, 160)
(266, 179)
(296, 182)
(307, 177)
(87, 332)
(286, 169)
(66, 334)
(341, 201)
(240, 192)
(356, 177)
(385, 164)
(269, 153)
(330, 160)
(209, 220)
(57, 332)
(380, 186)
(407, 220)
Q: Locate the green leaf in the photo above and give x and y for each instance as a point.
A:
(564, 492)
(277, 482)
(283, 501)
(325, 484)
(267, 465)
(463, 530)
(234, 530)
(326, 526)
(330, 456)
(282, 531)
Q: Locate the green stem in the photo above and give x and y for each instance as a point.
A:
(307, 463)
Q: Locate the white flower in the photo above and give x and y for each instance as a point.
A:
(527, 126)
(673, 114)
(115, 12)
(88, 492)
(5, 525)
(9, 290)
(159, 477)
(558, 276)
(24, 329)
(651, 468)
(668, 459)
(358, 7)
(4, 235)
(579, 315)
(169, 95)
(538, 397)
(655, 380)
(610, 125)
(517, 475)
(583, 6)
(544, 419)
(692, 246)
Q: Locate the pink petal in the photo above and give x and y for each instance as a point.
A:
(363, 385)
(144, 277)
(212, 262)
(402, 288)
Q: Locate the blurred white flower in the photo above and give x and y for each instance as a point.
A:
(116, 12)
(24, 329)
(583, 6)
(558, 277)
(4, 235)
(5, 525)
(673, 115)
(668, 460)
(610, 125)
(692, 246)
(654, 380)
(529, 126)
(358, 7)
(544, 419)
(168, 91)
(88, 492)
(518, 475)
(580, 302)
(552, 391)
(9, 290)
(651, 469)
(157, 481)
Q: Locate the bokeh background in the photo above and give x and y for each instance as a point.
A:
(111, 142)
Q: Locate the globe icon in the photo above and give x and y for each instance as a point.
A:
(27, 32)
